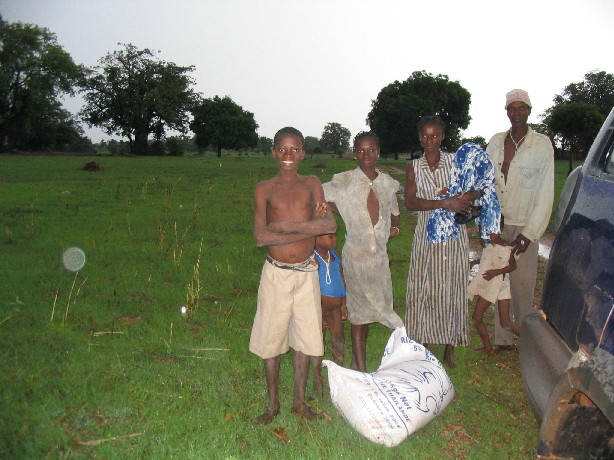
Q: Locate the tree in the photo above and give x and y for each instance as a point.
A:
(479, 140)
(400, 105)
(597, 88)
(175, 146)
(577, 124)
(335, 138)
(133, 94)
(117, 147)
(542, 128)
(265, 144)
(58, 130)
(221, 122)
(34, 72)
(312, 145)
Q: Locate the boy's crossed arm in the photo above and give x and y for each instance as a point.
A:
(286, 232)
(319, 224)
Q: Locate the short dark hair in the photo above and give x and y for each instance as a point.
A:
(431, 120)
(364, 134)
(288, 131)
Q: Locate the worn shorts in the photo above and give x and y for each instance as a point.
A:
(289, 312)
(494, 290)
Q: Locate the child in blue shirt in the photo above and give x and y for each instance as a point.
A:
(334, 311)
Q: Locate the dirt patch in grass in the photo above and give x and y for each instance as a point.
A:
(93, 166)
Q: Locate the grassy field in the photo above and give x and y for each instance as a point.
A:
(102, 364)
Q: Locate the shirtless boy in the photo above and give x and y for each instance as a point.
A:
(290, 213)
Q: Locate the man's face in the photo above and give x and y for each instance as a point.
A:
(518, 113)
(288, 152)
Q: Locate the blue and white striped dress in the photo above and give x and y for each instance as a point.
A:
(436, 300)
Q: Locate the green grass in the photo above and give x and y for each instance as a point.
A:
(102, 364)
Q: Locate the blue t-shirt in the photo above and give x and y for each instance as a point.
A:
(331, 283)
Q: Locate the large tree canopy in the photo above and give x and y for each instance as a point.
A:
(224, 124)
(335, 138)
(400, 105)
(34, 72)
(134, 94)
(597, 88)
(577, 124)
(578, 112)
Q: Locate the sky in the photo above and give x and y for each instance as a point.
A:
(308, 63)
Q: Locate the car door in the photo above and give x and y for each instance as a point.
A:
(579, 289)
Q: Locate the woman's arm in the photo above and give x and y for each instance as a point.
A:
(457, 203)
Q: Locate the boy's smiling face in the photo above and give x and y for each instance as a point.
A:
(288, 152)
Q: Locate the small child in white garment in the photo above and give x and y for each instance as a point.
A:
(493, 287)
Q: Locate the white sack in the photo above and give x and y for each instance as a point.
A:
(406, 392)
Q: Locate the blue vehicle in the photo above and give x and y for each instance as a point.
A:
(567, 347)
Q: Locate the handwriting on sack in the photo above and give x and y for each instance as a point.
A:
(408, 390)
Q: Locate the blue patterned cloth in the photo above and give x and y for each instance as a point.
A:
(471, 170)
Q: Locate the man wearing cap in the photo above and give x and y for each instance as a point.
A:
(524, 171)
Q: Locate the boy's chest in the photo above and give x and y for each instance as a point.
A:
(290, 201)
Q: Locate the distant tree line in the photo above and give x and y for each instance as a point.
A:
(133, 94)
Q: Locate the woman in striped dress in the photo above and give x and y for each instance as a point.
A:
(436, 302)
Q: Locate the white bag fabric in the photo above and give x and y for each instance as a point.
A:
(406, 392)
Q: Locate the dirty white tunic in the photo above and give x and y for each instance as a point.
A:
(365, 259)
(494, 257)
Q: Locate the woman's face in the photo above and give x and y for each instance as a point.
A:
(366, 152)
(430, 138)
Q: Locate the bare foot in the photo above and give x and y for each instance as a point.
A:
(267, 417)
(486, 351)
(304, 411)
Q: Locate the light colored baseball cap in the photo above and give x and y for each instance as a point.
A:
(517, 95)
